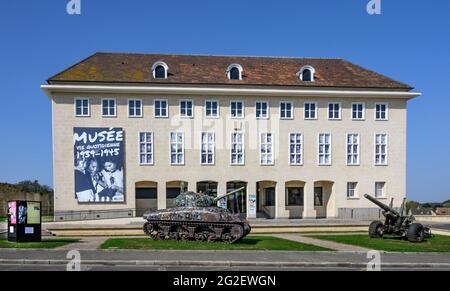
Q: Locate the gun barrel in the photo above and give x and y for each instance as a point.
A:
(381, 205)
(228, 194)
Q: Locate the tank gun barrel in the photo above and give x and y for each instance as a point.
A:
(228, 194)
(381, 205)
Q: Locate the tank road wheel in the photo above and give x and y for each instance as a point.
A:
(147, 228)
(237, 232)
(415, 232)
(376, 229)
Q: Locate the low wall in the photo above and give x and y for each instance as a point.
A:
(360, 213)
(433, 218)
(93, 214)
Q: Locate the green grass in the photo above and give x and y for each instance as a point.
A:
(45, 244)
(437, 243)
(2, 219)
(248, 243)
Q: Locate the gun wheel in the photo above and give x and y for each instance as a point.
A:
(416, 232)
(376, 229)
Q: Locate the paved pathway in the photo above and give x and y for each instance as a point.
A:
(321, 243)
(223, 258)
(85, 243)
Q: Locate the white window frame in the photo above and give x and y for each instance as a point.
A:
(176, 142)
(355, 190)
(243, 149)
(383, 194)
(193, 108)
(363, 111)
(243, 109)
(115, 107)
(267, 111)
(164, 65)
(267, 154)
(375, 149)
(331, 149)
(375, 111)
(152, 152)
(213, 149)
(218, 109)
(339, 111)
(358, 153)
(237, 66)
(313, 73)
(292, 110)
(316, 111)
(167, 108)
(88, 107)
(295, 154)
(142, 108)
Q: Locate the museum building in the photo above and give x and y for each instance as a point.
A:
(300, 137)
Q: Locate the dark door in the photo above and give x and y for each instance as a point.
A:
(318, 196)
(146, 199)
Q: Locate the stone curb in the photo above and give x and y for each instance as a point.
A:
(222, 263)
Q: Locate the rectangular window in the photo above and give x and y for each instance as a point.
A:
(381, 149)
(177, 148)
(186, 108)
(358, 111)
(109, 107)
(237, 109)
(262, 110)
(146, 148)
(266, 150)
(237, 148)
(351, 189)
(286, 111)
(334, 111)
(310, 110)
(212, 109)
(381, 111)
(134, 108)
(295, 149)
(82, 107)
(294, 196)
(352, 149)
(324, 149)
(379, 189)
(161, 108)
(207, 151)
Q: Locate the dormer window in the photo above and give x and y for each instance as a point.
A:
(160, 70)
(306, 74)
(234, 72)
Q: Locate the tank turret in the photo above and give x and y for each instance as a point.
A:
(196, 217)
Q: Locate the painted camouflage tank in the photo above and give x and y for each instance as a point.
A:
(196, 217)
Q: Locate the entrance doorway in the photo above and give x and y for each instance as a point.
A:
(266, 199)
(237, 203)
(207, 187)
(146, 197)
(173, 190)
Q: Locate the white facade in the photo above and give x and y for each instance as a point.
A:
(336, 148)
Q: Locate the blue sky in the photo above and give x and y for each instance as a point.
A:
(409, 41)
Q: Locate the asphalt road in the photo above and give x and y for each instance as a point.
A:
(93, 268)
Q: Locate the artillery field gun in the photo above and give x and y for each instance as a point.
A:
(196, 217)
(397, 223)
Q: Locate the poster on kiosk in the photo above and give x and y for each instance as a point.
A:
(24, 221)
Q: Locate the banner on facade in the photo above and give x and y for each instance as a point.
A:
(99, 165)
(252, 204)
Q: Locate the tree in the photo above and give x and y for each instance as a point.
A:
(34, 187)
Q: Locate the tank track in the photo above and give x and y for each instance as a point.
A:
(228, 232)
